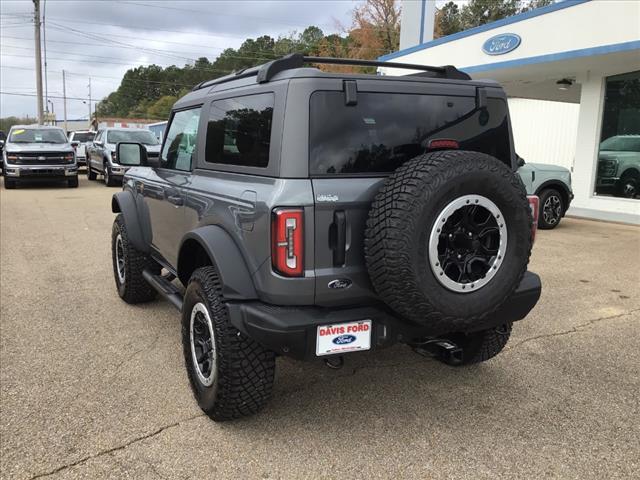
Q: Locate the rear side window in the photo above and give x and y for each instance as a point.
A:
(384, 130)
(239, 130)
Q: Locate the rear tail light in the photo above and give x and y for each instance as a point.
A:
(287, 241)
(443, 143)
(534, 204)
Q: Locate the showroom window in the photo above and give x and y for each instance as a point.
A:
(618, 171)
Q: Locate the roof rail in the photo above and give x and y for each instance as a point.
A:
(267, 71)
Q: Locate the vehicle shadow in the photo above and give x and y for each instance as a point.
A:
(392, 389)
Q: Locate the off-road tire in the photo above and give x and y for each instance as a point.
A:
(135, 288)
(245, 370)
(480, 346)
(401, 219)
(9, 183)
(544, 196)
(72, 182)
(91, 175)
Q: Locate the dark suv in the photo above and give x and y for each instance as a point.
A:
(312, 215)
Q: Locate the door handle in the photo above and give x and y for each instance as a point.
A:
(338, 238)
(173, 197)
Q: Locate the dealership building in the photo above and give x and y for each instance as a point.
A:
(572, 74)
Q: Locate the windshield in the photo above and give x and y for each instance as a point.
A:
(37, 135)
(140, 136)
(83, 136)
(619, 143)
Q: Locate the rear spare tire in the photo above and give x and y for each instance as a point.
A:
(448, 239)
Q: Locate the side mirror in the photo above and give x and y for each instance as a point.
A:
(131, 154)
(98, 143)
(75, 144)
(520, 161)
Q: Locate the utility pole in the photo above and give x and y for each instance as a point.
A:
(36, 18)
(44, 37)
(89, 103)
(64, 100)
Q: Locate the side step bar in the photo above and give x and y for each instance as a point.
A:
(165, 288)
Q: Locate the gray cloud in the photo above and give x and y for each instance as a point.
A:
(177, 31)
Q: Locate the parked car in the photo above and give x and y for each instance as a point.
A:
(35, 152)
(552, 184)
(317, 215)
(3, 138)
(79, 140)
(101, 153)
(158, 129)
(619, 166)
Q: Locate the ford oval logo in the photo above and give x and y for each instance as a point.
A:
(339, 283)
(344, 339)
(501, 44)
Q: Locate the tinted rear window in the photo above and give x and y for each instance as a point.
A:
(239, 130)
(385, 130)
(83, 137)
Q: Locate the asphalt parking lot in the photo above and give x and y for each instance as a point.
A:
(94, 388)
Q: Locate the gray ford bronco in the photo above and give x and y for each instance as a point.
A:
(314, 215)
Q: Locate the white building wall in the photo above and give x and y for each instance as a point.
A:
(543, 131)
(617, 21)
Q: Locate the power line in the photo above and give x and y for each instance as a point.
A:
(96, 62)
(139, 27)
(239, 57)
(217, 14)
(35, 95)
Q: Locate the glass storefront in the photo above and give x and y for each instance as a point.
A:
(618, 171)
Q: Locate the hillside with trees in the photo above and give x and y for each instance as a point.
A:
(150, 91)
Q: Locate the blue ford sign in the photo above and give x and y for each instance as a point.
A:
(501, 44)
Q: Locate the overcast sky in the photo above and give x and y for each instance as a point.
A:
(119, 29)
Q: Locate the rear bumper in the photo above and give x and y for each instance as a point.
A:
(291, 331)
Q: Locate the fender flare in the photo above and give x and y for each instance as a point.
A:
(225, 255)
(139, 234)
(558, 185)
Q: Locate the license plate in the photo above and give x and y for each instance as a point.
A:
(343, 337)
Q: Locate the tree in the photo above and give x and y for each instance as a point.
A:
(161, 108)
(451, 18)
(447, 20)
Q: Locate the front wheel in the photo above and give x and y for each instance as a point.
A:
(629, 185)
(72, 182)
(109, 181)
(9, 183)
(128, 265)
(91, 175)
(551, 209)
(230, 374)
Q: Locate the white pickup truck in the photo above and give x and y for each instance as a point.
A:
(79, 140)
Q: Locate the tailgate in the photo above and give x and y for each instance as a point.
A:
(341, 211)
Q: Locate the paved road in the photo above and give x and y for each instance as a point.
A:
(93, 388)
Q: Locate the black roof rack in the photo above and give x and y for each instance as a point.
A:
(267, 71)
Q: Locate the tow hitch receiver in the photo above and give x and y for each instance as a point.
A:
(444, 350)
